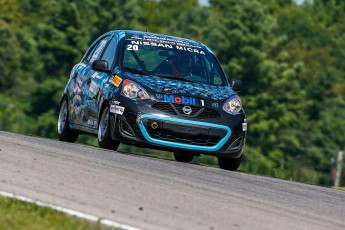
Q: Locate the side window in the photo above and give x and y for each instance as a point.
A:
(109, 54)
(88, 55)
(97, 50)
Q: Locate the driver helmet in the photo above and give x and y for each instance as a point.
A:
(182, 65)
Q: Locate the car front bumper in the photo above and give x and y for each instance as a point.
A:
(144, 126)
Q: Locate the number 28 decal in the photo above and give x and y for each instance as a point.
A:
(132, 47)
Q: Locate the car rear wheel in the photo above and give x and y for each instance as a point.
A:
(231, 164)
(183, 157)
(65, 133)
(104, 137)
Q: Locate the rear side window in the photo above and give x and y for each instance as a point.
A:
(96, 51)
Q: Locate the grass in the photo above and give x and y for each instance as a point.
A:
(15, 214)
(341, 188)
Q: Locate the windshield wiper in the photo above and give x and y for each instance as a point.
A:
(133, 70)
(177, 78)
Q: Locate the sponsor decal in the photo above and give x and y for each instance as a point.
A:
(79, 81)
(215, 104)
(89, 105)
(244, 126)
(92, 121)
(93, 87)
(117, 109)
(166, 43)
(76, 105)
(116, 81)
(77, 109)
(147, 43)
(179, 99)
(76, 89)
(190, 50)
(115, 102)
(112, 108)
(96, 75)
(168, 90)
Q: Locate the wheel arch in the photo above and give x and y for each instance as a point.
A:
(103, 103)
(65, 95)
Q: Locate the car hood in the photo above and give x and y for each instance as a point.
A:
(168, 86)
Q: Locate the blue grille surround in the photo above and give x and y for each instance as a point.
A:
(182, 145)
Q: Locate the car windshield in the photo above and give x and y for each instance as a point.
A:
(173, 60)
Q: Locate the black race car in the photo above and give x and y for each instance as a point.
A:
(156, 91)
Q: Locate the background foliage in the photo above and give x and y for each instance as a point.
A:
(289, 57)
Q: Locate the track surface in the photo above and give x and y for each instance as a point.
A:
(158, 194)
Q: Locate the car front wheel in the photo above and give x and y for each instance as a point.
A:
(231, 164)
(65, 133)
(183, 157)
(104, 137)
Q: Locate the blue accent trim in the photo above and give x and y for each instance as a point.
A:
(181, 145)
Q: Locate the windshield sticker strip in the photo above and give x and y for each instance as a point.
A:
(134, 46)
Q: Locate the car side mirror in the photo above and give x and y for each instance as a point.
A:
(100, 65)
(236, 85)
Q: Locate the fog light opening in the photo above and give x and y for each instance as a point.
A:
(154, 125)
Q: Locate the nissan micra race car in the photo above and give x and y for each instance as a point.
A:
(156, 91)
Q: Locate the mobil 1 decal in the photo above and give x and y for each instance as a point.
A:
(182, 100)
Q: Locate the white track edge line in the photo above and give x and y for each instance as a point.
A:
(70, 212)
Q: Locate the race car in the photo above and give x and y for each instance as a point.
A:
(155, 91)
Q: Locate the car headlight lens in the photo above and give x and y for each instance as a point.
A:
(233, 105)
(134, 91)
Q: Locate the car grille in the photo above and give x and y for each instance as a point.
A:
(168, 135)
(181, 133)
(176, 109)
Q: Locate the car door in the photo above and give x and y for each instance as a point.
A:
(81, 109)
(95, 84)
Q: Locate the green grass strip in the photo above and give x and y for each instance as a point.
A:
(16, 214)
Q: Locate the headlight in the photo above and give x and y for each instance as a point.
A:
(233, 105)
(133, 90)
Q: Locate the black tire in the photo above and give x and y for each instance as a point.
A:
(64, 132)
(104, 136)
(183, 157)
(231, 164)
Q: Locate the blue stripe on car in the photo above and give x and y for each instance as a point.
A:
(181, 145)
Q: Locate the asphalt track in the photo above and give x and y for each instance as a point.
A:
(156, 194)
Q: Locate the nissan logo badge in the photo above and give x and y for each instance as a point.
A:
(187, 110)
